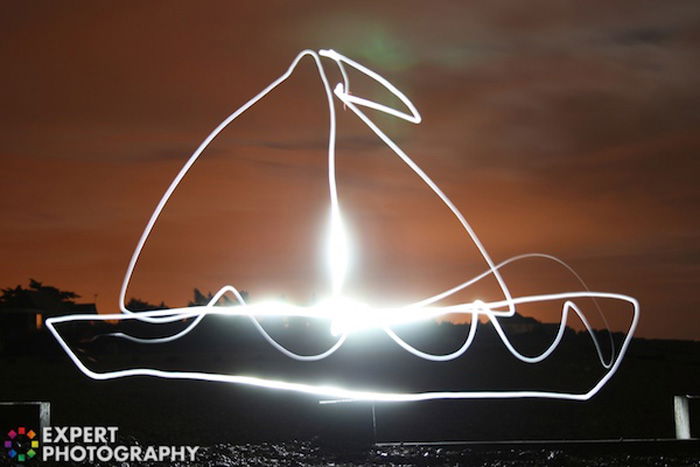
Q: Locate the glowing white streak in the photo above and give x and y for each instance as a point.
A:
(338, 253)
(492, 315)
(274, 310)
(332, 391)
(350, 101)
(203, 145)
(439, 358)
(413, 117)
(345, 315)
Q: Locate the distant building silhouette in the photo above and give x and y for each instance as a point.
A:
(519, 324)
(23, 311)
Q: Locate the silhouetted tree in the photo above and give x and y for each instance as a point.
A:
(135, 304)
(43, 297)
(200, 299)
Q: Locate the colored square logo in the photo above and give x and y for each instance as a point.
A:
(21, 444)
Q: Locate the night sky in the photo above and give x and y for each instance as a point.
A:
(568, 128)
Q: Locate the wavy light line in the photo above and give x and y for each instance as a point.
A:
(346, 315)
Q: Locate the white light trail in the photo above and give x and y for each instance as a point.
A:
(346, 315)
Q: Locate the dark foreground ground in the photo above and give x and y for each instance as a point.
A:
(296, 453)
(307, 454)
(250, 426)
(636, 404)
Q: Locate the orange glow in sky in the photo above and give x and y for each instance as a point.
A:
(569, 130)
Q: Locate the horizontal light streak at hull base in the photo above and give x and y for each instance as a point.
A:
(343, 394)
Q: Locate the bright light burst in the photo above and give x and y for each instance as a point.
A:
(347, 315)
